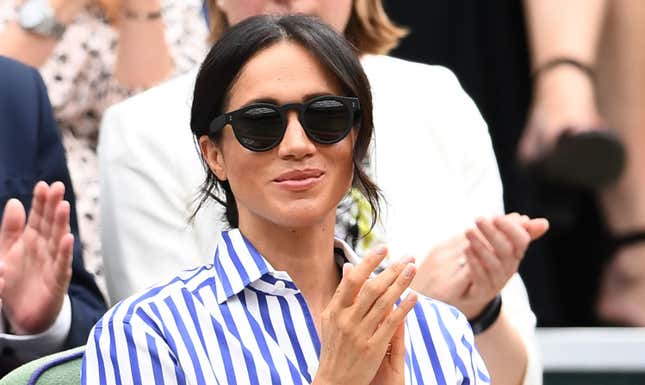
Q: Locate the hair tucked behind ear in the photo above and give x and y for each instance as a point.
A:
(236, 47)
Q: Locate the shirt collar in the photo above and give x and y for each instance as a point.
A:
(237, 263)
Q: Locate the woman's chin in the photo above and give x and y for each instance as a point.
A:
(303, 215)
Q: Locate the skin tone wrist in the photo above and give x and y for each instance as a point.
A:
(562, 74)
(67, 10)
(503, 351)
(142, 6)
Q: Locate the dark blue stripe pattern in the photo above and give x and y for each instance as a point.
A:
(239, 321)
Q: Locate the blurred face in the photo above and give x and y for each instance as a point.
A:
(334, 12)
(298, 183)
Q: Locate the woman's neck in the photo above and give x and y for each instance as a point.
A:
(305, 253)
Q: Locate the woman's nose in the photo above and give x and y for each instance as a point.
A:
(295, 143)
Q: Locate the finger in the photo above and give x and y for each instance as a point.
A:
(374, 288)
(54, 197)
(481, 282)
(397, 347)
(37, 211)
(60, 227)
(462, 280)
(407, 259)
(63, 262)
(480, 248)
(515, 233)
(354, 278)
(537, 227)
(13, 224)
(384, 304)
(500, 245)
(391, 323)
(493, 268)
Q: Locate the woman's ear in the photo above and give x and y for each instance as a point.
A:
(213, 156)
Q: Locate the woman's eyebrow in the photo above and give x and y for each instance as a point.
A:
(315, 95)
(262, 100)
(274, 101)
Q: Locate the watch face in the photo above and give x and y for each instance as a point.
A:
(31, 14)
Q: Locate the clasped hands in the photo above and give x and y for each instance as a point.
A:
(362, 334)
(35, 259)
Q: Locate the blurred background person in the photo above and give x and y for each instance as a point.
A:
(541, 71)
(92, 53)
(48, 301)
(145, 150)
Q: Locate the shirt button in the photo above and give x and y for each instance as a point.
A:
(280, 285)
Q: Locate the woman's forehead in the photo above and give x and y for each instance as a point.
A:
(284, 72)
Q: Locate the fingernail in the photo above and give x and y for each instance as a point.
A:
(408, 271)
(381, 250)
(406, 260)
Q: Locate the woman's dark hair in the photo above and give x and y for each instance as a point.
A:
(231, 52)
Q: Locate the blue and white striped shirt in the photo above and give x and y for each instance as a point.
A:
(239, 321)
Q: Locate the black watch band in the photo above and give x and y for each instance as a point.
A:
(487, 317)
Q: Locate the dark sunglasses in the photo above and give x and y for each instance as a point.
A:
(261, 126)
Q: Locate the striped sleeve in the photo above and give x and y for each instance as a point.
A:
(127, 352)
(469, 364)
(442, 348)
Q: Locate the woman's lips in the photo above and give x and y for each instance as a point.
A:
(299, 180)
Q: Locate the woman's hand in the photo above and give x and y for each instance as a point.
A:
(564, 100)
(35, 260)
(392, 369)
(496, 249)
(359, 324)
(468, 271)
(441, 275)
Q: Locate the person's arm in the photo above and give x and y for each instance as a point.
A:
(467, 148)
(563, 95)
(25, 348)
(511, 339)
(143, 356)
(86, 300)
(143, 55)
(159, 39)
(508, 346)
(31, 48)
(559, 28)
(469, 272)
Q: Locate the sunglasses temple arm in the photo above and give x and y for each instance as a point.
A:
(217, 124)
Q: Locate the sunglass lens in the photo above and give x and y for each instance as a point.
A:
(259, 128)
(327, 120)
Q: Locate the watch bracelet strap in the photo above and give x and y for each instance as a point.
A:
(57, 29)
(54, 29)
(566, 61)
(142, 16)
(487, 317)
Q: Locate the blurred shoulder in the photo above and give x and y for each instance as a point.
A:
(388, 69)
(159, 115)
(167, 294)
(174, 95)
(16, 76)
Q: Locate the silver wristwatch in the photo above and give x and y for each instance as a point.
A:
(37, 16)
